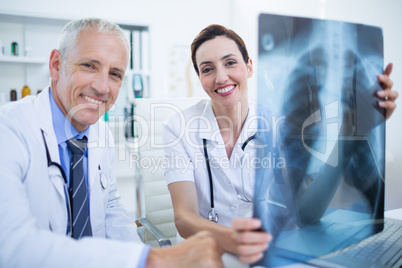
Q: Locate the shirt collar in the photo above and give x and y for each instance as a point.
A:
(63, 128)
(211, 132)
(250, 126)
(208, 125)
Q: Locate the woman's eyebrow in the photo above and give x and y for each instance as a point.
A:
(205, 62)
(227, 56)
(224, 57)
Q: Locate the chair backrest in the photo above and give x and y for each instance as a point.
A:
(154, 198)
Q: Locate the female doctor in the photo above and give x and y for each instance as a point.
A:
(209, 146)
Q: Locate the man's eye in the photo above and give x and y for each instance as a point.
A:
(87, 65)
(117, 75)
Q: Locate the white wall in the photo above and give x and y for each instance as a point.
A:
(172, 23)
(385, 14)
(176, 22)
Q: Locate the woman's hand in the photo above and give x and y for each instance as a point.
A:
(250, 243)
(387, 95)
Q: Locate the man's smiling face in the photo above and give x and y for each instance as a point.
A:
(87, 84)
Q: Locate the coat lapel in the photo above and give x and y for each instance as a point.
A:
(208, 129)
(42, 107)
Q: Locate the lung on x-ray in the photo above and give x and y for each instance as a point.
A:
(320, 78)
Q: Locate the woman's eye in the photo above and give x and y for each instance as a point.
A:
(206, 70)
(231, 62)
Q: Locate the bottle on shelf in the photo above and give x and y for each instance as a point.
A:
(13, 95)
(25, 91)
(14, 48)
(106, 116)
(138, 86)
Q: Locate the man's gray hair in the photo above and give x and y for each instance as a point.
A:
(71, 31)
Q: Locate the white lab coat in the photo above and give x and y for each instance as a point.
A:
(183, 135)
(33, 213)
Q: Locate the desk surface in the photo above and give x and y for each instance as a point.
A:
(394, 214)
(231, 261)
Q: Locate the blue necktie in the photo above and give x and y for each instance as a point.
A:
(78, 190)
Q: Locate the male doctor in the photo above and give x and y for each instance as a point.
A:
(54, 151)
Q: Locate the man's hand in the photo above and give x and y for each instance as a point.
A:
(251, 243)
(387, 95)
(199, 250)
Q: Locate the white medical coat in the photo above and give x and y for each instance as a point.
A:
(183, 134)
(33, 211)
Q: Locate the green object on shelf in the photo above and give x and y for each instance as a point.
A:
(14, 49)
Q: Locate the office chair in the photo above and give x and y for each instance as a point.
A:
(156, 219)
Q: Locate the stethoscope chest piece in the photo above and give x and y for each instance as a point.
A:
(213, 216)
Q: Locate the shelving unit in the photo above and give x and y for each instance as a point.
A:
(20, 59)
(39, 33)
(34, 34)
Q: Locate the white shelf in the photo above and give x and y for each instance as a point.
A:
(29, 30)
(21, 59)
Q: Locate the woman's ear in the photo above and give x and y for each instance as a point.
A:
(55, 64)
(250, 68)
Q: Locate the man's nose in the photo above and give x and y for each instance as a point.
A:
(101, 83)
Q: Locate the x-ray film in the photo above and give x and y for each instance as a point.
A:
(320, 78)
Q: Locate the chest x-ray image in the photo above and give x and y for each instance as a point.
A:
(320, 77)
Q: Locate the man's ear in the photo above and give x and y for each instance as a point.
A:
(55, 65)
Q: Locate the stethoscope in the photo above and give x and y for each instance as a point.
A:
(63, 174)
(103, 181)
(212, 215)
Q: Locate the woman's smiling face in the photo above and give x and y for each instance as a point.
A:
(223, 72)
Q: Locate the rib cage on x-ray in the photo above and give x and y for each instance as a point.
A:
(294, 68)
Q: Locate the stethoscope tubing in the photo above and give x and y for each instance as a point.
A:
(211, 188)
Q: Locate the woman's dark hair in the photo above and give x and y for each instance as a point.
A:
(210, 33)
